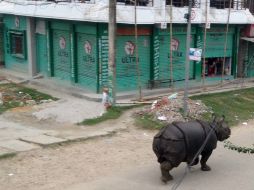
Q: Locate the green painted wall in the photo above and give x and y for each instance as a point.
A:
(14, 23)
(1, 43)
(86, 28)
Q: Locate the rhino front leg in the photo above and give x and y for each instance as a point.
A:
(165, 168)
(205, 156)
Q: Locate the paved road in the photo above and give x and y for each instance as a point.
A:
(230, 171)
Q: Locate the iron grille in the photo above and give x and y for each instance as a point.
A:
(139, 2)
(183, 3)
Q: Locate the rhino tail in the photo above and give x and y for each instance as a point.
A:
(158, 150)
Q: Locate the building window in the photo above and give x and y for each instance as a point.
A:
(221, 4)
(183, 3)
(138, 2)
(17, 43)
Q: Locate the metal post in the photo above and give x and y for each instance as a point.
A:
(204, 45)
(31, 47)
(187, 60)
(136, 53)
(112, 51)
(170, 43)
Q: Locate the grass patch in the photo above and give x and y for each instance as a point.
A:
(237, 105)
(36, 95)
(146, 121)
(113, 113)
(7, 155)
(16, 96)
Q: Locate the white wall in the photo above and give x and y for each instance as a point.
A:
(98, 12)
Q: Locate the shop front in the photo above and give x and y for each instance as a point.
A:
(250, 65)
(133, 57)
(133, 62)
(219, 49)
(178, 47)
(15, 44)
(61, 50)
(41, 47)
(1, 43)
(87, 59)
(247, 53)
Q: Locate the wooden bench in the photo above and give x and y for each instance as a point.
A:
(158, 83)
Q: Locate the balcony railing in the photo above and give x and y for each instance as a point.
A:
(235, 4)
(69, 1)
(139, 2)
(183, 3)
(250, 5)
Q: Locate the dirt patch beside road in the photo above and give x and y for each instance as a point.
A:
(83, 162)
(57, 167)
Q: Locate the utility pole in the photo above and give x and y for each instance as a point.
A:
(112, 51)
(187, 59)
(136, 53)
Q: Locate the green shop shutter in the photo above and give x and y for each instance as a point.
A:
(126, 68)
(61, 54)
(87, 60)
(215, 43)
(42, 55)
(178, 57)
(1, 44)
(250, 67)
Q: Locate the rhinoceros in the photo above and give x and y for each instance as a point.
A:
(180, 141)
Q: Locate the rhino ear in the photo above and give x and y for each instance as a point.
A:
(222, 118)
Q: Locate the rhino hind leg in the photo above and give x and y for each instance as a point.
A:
(165, 168)
(205, 157)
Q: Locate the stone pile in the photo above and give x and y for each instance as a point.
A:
(169, 109)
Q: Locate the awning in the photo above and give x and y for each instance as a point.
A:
(248, 39)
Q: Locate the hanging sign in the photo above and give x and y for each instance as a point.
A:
(87, 47)
(62, 42)
(195, 54)
(163, 25)
(17, 22)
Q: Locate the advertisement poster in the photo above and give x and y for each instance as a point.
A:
(195, 54)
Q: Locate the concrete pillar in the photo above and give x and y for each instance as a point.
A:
(1, 44)
(31, 47)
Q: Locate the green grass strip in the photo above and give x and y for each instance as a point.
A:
(113, 113)
(237, 105)
(146, 121)
(7, 155)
